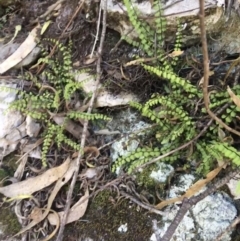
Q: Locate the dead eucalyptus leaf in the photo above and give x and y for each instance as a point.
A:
(91, 150)
(175, 53)
(17, 29)
(45, 26)
(36, 214)
(90, 59)
(70, 126)
(196, 187)
(202, 79)
(76, 211)
(34, 184)
(24, 49)
(61, 182)
(234, 98)
(57, 226)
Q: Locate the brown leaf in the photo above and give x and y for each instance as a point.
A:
(76, 211)
(70, 126)
(34, 184)
(91, 150)
(196, 187)
(61, 182)
(175, 53)
(234, 98)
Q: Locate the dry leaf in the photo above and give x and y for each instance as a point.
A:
(34, 184)
(202, 79)
(196, 187)
(175, 53)
(221, 134)
(50, 236)
(70, 126)
(91, 150)
(76, 211)
(234, 98)
(36, 214)
(90, 59)
(17, 29)
(45, 26)
(61, 182)
(24, 49)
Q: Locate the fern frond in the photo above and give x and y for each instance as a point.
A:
(87, 116)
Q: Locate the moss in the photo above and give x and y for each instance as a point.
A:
(9, 166)
(143, 177)
(9, 223)
(105, 215)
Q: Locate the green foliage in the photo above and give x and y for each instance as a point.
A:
(87, 116)
(51, 92)
(137, 158)
(176, 115)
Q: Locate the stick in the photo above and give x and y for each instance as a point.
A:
(83, 139)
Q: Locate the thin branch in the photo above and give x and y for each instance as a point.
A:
(85, 126)
(206, 71)
(97, 34)
(149, 207)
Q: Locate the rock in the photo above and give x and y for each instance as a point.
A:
(207, 219)
(162, 172)
(213, 215)
(127, 123)
(11, 130)
(123, 228)
(234, 187)
(104, 97)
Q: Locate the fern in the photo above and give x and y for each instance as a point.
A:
(174, 113)
(133, 160)
(50, 93)
(86, 116)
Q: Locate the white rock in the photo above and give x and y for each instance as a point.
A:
(11, 130)
(234, 185)
(127, 123)
(104, 98)
(184, 182)
(162, 173)
(32, 127)
(123, 228)
(211, 216)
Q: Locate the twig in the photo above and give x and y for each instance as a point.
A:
(145, 206)
(83, 139)
(96, 36)
(206, 71)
